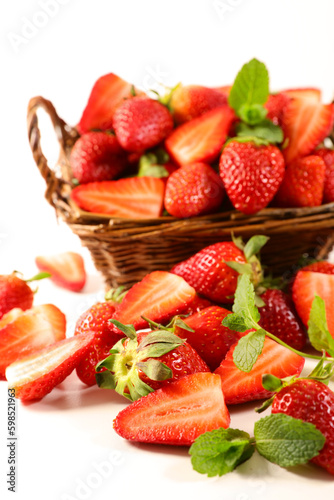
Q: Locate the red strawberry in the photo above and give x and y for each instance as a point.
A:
(96, 319)
(36, 375)
(141, 123)
(67, 269)
(135, 197)
(305, 122)
(275, 106)
(193, 190)
(108, 92)
(303, 183)
(311, 401)
(320, 266)
(306, 285)
(14, 292)
(200, 139)
(210, 338)
(197, 304)
(192, 101)
(208, 273)
(310, 93)
(97, 156)
(239, 386)
(159, 297)
(328, 156)
(251, 174)
(279, 317)
(23, 333)
(176, 414)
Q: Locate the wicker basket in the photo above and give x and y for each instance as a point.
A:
(124, 250)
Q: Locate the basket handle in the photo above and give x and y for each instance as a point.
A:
(66, 136)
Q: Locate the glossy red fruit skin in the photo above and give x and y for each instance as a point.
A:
(192, 101)
(251, 174)
(322, 266)
(275, 106)
(207, 272)
(193, 190)
(141, 123)
(311, 401)
(279, 317)
(328, 156)
(97, 156)
(14, 292)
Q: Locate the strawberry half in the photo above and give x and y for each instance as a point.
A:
(275, 107)
(201, 139)
(67, 269)
(24, 332)
(14, 293)
(176, 414)
(36, 375)
(240, 387)
(135, 197)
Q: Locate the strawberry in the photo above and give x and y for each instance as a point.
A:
(328, 156)
(159, 296)
(303, 183)
(309, 283)
(141, 123)
(96, 319)
(108, 92)
(239, 386)
(209, 338)
(24, 332)
(67, 269)
(97, 156)
(14, 292)
(191, 101)
(193, 190)
(196, 305)
(176, 414)
(279, 317)
(200, 139)
(311, 401)
(208, 272)
(310, 93)
(36, 375)
(305, 122)
(275, 107)
(134, 197)
(320, 266)
(251, 174)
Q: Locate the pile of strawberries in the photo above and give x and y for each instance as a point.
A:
(165, 346)
(182, 153)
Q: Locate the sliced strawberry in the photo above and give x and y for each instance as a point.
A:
(23, 333)
(14, 292)
(159, 297)
(328, 156)
(239, 386)
(135, 197)
(200, 139)
(67, 269)
(310, 93)
(176, 414)
(36, 375)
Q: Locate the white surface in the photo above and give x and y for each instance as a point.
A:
(62, 439)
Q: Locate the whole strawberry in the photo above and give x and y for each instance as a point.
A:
(97, 156)
(141, 123)
(311, 401)
(14, 292)
(251, 174)
(193, 190)
(328, 156)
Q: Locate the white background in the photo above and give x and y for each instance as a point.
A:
(64, 438)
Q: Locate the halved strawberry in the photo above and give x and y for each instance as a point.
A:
(200, 139)
(176, 414)
(67, 269)
(135, 197)
(239, 386)
(24, 332)
(14, 292)
(310, 93)
(36, 375)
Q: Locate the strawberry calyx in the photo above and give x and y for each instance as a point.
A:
(116, 294)
(152, 163)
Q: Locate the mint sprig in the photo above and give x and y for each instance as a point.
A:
(318, 332)
(248, 350)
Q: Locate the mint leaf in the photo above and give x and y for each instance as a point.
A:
(265, 130)
(248, 350)
(220, 451)
(244, 301)
(250, 87)
(254, 245)
(253, 114)
(287, 441)
(318, 333)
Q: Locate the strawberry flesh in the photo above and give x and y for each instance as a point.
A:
(67, 269)
(14, 293)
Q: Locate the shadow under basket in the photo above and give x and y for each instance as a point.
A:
(125, 250)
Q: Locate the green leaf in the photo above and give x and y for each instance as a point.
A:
(220, 451)
(287, 441)
(108, 363)
(105, 380)
(181, 324)
(265, 130)
(323, 371)
(250, 87)
(271, 383)
(39, 276)
(149, 166)
(254, 245)
(240, 268)
(129, 330)
(253, 114)
(155, 370)
(158, 337)
(248, 350)
(246, 314)
(318, 332)
(236, 323)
